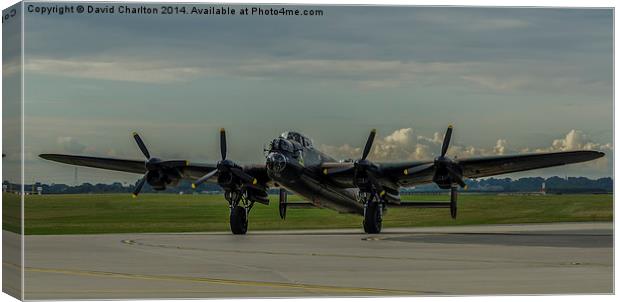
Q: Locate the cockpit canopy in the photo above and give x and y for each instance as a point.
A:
(298, 137)
(288, 142)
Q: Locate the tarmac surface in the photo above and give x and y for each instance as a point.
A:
(494, 259)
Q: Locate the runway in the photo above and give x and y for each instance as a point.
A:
(497, 259)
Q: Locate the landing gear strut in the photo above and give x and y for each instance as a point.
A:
(373, 213)
(240, 207)
(453, 197)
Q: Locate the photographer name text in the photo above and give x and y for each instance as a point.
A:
(170, 10)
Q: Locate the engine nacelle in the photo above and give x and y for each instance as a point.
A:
(443, 179)
(162, 178)
(228, 181)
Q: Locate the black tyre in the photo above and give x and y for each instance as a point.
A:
(238, 220)
(372, 218)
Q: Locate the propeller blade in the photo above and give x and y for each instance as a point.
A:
(223, 143)
(282, 203)
(457, 177)
(204, 178)
(369, 142)
(141, 145)
(138, 188)
(245, 178)
(446, 141)
(417, 169)
(333, 171)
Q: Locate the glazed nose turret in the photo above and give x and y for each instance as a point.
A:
(276, 162)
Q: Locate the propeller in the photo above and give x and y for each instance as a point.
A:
(448, 164)
(226, 166)
(139, 186)
(446, 141)
(152, 164)
(361, 162)
(442, 164)
(141, 145)
(447, 172)
(362, 167)
(369, 141)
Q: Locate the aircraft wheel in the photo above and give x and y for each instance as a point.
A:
(372, 218)
(238, 220)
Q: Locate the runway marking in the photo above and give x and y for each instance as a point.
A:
(316, 287)
(135, 242)
(372, 238)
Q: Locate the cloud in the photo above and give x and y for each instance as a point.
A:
(116, 69)
(404, 144)
(474, 22)
(500, 147)
(365, 74)
(11, 67)
(495, 83)
(575, 140)
(70, 145)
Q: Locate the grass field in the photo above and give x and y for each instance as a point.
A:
(119, 213)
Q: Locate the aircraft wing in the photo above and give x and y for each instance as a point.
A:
(488, 166)
(392, 175)
(123, 165)
(190, 171)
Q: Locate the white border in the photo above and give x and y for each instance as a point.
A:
(523, 3)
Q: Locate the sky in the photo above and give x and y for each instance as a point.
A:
(510, 80)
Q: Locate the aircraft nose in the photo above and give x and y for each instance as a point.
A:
(276, 162)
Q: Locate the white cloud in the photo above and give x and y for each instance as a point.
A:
(497, 83)
(473, 22)
(123, 69)
(11, 67)
(70, 145)
(365, 74)
(404, 144)
(500, 147)
(575, 140)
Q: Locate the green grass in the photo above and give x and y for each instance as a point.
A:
(119, 213)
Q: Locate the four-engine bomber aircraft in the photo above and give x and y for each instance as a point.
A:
(293, 164)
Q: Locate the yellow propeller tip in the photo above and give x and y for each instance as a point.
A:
(406, 172)
(187, 162)
(466, 187)
(134, 133)
(382, 193)
(194, 186)
(325, 171)
(254, 181)
(449, 126)
(222, 130)
(134, 196)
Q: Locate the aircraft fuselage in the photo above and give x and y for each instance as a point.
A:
(293, 163)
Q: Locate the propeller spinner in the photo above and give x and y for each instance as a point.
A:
(443, 163)
(152, 164)
(226, 166)
(447, 172)
(363, 168)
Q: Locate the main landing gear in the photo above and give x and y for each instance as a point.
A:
(373, 212)
(240, 207)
